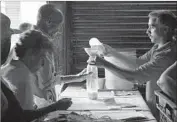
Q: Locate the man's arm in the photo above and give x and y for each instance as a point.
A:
(73, 78)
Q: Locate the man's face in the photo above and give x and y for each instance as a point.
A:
(155, 30)
(54, 24)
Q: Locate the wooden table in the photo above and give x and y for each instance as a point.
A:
(115, 104)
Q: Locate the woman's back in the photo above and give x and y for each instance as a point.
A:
(20, 77)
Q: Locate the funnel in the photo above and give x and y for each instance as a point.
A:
(91, 51)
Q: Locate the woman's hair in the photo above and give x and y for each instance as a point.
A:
(34, 40)
(165, 17)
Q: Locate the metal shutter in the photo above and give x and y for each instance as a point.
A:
(121, 24)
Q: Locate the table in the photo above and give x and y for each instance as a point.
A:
(112, 103)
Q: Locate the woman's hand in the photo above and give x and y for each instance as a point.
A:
(99, 62)
(106, 50)
(63, 104)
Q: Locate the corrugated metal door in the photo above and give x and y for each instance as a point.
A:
(121, 24)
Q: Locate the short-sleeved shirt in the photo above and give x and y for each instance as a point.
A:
(21, 78)
(46, 71)
(45, 75)
(157, 60)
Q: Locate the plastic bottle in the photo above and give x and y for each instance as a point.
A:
(92, 82)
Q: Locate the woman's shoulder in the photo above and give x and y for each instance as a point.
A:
(18, 70)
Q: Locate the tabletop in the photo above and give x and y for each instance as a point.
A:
(116, 105)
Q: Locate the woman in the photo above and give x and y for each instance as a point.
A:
(11, 110)
(30, 50)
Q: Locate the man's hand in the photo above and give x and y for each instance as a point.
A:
(63, 104)
(84, 73)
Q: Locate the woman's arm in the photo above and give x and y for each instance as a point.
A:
(73, 78)
(62, 104)
(130, 61)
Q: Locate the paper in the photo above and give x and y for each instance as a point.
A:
(124, 93)
(119, 115)
(40, 102)
(78, 92)
(87, 104)
(113, 105)
(112, 115)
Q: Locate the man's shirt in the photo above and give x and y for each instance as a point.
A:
(45, 75)
(46, 72)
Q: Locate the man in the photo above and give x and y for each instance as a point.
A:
(12, 111)
(48, 21)
(150, 66)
